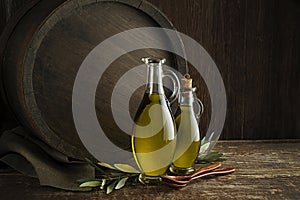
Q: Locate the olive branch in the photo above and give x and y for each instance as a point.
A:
(110, 177)
(115, 177)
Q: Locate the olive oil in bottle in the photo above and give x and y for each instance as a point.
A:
(154, 133)
(188, 136)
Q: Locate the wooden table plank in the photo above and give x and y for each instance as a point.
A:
(265, 170)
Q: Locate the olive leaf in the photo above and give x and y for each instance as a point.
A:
(111, 187)
(87, 180)
(126, 168)
(103, 184)
(203, 140)
(211, 157)
(90, 184)
(204, 147)
(121, 183)
(105, 165)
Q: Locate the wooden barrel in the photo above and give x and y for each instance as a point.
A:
(44, 48)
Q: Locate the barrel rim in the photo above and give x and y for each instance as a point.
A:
(4, 37)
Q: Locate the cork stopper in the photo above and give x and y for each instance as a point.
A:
(153, 60)
(186, 82)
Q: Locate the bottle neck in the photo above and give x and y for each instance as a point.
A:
(186, 98)
(155, 85)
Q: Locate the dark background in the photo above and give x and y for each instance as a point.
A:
(256, 46)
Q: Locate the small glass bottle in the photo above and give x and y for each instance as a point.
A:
(154, 133)
(188, 136)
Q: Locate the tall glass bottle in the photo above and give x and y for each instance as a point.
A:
(188, 136)
(154, 133)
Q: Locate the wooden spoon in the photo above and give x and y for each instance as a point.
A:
(217, 172)
(196, 173)
(182, 183)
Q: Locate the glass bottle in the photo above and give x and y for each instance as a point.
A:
(188, 136)
(154, 133)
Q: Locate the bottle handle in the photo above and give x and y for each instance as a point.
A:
(170, 74)
(200, 106)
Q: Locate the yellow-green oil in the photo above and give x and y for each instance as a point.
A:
(154, 136)
(188, 142)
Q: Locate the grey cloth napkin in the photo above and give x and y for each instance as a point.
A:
(34, 158)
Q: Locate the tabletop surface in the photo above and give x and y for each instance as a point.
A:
(265, 170)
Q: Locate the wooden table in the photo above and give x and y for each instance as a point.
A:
(265, 170)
